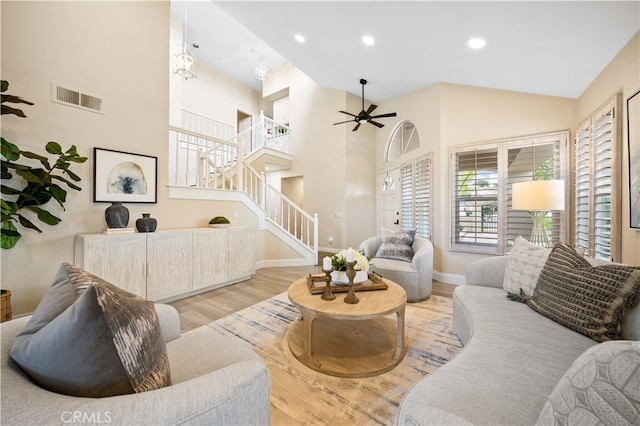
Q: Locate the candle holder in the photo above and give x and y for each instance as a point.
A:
(351, 297)
(327, 294)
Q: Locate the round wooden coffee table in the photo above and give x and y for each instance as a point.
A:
(344, 340)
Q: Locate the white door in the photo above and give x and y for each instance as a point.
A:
(389, 199)
(169, 257)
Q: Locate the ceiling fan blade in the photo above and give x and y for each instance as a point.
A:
(375, 123)
(371, 108)
(357, 127)
(342, 122)
(391, 114)
(348, 113)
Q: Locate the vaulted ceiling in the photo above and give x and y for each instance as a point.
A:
(546, 47)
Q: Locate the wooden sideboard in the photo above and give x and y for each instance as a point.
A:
(170, 264)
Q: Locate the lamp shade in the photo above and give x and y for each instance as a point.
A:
(538, 195)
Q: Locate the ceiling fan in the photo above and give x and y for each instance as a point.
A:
(365, 115)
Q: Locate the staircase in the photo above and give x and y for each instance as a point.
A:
(225, 169)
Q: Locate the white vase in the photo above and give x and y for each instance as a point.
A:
(340, 277)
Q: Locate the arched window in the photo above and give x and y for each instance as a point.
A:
(404, 138)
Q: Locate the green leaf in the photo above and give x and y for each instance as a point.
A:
(43, 160)
(6, 109)
(45, 216)
(73, 176)
(58, 193)
(28, 175)
(69, 184)
(9, 235)
(4, 85)
(28, 224)
(35, 195)
(8, 207)
(9, 190)
(10, 151)
(15, 100)
(54, 148)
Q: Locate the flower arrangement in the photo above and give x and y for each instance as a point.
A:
(339, 261)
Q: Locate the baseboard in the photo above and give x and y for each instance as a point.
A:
(443, 277)
(270, 263)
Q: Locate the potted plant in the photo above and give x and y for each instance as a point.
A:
(219, 222)
(339, 266)
(31, 187)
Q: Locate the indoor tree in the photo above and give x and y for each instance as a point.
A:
(32, 187)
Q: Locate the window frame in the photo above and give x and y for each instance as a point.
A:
(503, 197)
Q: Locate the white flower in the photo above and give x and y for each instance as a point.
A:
(339, 261)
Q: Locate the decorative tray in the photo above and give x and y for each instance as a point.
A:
(317, 283)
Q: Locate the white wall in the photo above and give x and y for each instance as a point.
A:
(118, 51)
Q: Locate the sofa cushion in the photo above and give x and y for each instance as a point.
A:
(590, 300)
(397, 245)
(104, 342)
(523, 268)
(601, 387)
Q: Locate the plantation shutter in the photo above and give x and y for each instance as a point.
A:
(416, 196)
(475, 200)
(583, 186)
(423, 197)
(597, 152)
(534, 159)
(406, 177)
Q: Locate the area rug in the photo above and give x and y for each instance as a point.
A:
(302, 396)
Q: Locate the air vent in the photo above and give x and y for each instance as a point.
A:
(74, 98)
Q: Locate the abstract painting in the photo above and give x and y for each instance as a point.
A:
(125, 177)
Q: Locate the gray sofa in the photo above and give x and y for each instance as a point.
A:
(513, 359)
(415, 276)
(214, 381)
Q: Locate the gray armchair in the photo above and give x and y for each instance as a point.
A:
(215, 380)
(415, 277)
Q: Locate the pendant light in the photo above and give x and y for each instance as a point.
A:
(185, 60)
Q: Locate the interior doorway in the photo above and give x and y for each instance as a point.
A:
(389, 199)
(244, 121)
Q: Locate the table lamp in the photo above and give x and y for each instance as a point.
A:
(538, 197)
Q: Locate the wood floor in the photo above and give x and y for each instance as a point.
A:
(203, 308)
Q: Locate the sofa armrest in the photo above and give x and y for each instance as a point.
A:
(487, 272)
(169, 321)
(235, 395)
(370, 246)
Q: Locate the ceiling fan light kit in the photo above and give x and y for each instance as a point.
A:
(365, 115)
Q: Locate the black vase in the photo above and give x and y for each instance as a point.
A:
(116, 215)
(146, 223)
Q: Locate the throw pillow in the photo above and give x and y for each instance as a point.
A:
(397, 245)
(90, 338)
(591, 300)
(523, 268)
(601, 387)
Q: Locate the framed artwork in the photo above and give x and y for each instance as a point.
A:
(633, 137)
(125, 177)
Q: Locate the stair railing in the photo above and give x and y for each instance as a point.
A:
(203, 161)
(265, 133)
(287, 215)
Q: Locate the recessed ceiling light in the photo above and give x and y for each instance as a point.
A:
(476, 43)
(299, 38)
(368, 40)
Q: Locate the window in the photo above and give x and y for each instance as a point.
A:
(404, 139)
(416, 195)
(482, 175)
(597, 174)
